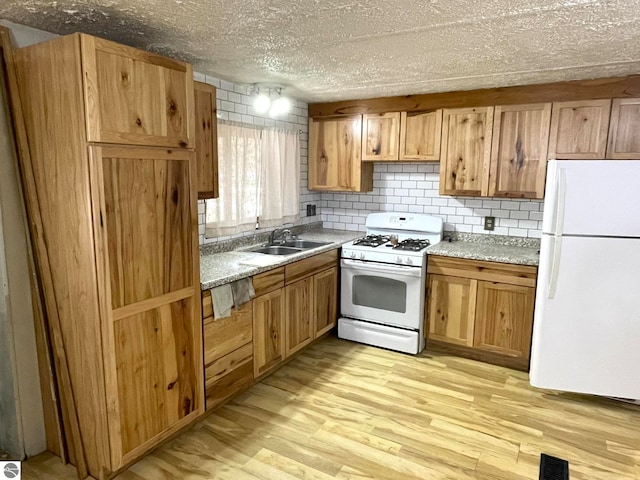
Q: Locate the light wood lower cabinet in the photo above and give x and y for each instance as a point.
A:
(268, 331)
(325, 299)
(483, 309)
(299, 314)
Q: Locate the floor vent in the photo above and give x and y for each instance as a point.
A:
(553, 468)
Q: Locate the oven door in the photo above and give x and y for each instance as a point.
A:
(382, 293)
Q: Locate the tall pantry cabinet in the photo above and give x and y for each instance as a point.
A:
(110, 132)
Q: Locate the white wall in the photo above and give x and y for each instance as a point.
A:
(413, 187)
(20, 396)
(234, 103)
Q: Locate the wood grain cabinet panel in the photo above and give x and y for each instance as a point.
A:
(624, 134)
(519, 151)
(504, 319)
(325, 296)
(380, 136)
(268, 331)
(299, 314)
(451, 309)
(156, 373)
(465, 153)
(147, 216)
(579, 129)
(335, 161)
(206, 140)
(420, 134)
(135, 97)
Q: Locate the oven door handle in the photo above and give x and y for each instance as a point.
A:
(402, 270)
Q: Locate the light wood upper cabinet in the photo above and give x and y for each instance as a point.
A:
(135, 97)
(325, 296)
(206, 140)
(380, 136)
(465, 154)
(420, 135)
(519, 151)
(504, 319)
(624, 131)
(300, 311)
(579, 129)
(268, 331)
(335, 162)
(451, 308)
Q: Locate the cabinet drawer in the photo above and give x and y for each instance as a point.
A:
(309, 266)
(228, 377)
(268, 281)
(226, 335)
(523, 275)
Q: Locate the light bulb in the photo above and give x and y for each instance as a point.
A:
(280, 106)
(261, 103)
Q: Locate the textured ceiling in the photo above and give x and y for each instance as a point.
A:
(326, 50)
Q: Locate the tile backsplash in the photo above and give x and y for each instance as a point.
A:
(413, 187)
(235, 104)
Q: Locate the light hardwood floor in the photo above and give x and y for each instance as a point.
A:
(346, 411)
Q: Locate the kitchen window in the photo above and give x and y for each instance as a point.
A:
(259, 180)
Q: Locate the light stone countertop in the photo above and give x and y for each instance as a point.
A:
(490, 248)
(224, 267)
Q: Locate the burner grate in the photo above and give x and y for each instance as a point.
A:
(372, 240)
(412, 244)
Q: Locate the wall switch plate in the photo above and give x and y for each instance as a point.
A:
(311, 210)
(489, 223)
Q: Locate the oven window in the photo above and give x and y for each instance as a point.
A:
(380, 293)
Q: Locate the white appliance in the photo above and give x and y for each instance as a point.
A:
(586, 332)
(383, 275)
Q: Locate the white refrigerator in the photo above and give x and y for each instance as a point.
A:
(586, 331)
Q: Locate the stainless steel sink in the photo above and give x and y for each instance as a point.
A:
(276, 250)
(304, 244)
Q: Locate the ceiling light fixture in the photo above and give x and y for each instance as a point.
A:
(268, 98)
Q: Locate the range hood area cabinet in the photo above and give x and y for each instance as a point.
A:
(495, 151)
(111, 199)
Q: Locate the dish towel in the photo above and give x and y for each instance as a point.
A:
(243, 291)
(222, 299)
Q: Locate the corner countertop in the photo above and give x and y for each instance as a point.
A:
(490, 248)
(224, 267)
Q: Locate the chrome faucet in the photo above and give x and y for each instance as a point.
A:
(279, 233)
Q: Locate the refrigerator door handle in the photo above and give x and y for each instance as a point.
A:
(555, 267)
(561, 191)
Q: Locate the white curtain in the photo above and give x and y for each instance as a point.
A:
(236, 209)
(258, 177)
(279, 178)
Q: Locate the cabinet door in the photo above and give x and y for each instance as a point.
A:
(624, 135)
(420, 135)
(146, 236)
(135, 97)
(325, 295)
(579, 130)
(268, 331)
(206, 140)
(451, 303)
(335, 162)
(504, 318)
(519, 151)
(300, 314)
(466, 151)
(380, 136)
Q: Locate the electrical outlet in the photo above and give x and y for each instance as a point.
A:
(489, 223)
(311, 210)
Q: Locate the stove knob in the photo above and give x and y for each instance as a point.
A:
(398, 259)
(353, 254)
(362, 256)
(409, 261)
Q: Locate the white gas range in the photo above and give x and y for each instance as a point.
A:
(383, 278)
